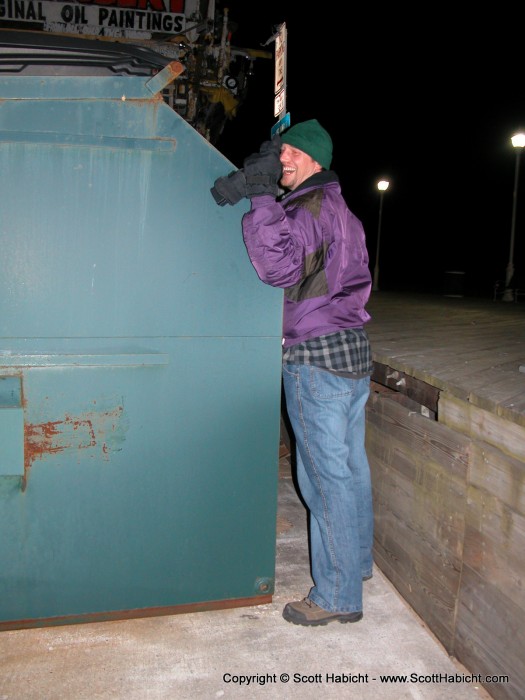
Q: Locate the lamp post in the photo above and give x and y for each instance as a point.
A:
(382, 186)
(518, 141)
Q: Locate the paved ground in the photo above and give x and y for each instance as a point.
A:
(243, 652)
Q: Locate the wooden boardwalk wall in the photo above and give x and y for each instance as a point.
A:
(446, 443)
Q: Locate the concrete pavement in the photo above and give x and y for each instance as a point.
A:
(242, 652)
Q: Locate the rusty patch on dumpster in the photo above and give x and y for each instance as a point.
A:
(175, 68)
(95, 432)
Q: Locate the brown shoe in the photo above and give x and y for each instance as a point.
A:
(306, 612)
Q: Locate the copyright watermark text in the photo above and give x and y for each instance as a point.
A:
(347, 678)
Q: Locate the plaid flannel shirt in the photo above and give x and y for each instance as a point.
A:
(345, 352)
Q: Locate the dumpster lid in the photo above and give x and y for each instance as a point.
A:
(33, 53)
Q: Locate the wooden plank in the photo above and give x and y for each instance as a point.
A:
(426, 577)
(435, 605)
(498, 476)
(420, 392)
(482, 425)
(490, 635)
(475, 364)
(476, 386)
(437, 531)
(418, 507)
(502, 396)
(494, 536)
(465, 351)
(472, 355)
(428, 439)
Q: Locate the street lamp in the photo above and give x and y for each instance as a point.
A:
(382, 186)
(518, 141)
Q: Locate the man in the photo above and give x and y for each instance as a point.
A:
(310, 244)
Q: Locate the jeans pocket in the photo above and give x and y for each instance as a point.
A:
(325, 385)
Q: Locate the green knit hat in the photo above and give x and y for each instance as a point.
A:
(311, 138)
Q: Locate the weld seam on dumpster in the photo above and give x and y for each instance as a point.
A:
(114, 142)
(66, 360)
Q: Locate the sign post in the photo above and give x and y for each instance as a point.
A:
(279, 108)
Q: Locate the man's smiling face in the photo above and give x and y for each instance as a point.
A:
(297, 167)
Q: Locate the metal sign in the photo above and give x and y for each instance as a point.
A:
(281, 125)
(124, 18)
(280, 72)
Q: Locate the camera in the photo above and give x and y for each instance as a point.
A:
(229, 189)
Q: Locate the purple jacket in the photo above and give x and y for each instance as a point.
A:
(310, 244)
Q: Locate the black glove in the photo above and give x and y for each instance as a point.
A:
(229, 189)
(263, 170)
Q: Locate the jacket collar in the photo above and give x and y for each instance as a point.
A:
(325, 177)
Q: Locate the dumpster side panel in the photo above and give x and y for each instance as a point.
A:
(144, 355)
(107, 239)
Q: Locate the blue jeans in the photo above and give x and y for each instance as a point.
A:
(327, 413)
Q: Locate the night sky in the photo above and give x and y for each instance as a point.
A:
(426, 99)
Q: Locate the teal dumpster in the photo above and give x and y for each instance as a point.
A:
(139, 360)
